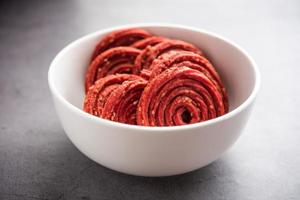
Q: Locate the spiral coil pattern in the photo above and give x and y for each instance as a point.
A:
(142, 79)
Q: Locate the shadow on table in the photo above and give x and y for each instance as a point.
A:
(94, 181)
(59, 171)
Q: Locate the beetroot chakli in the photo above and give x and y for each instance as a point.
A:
(138, 78)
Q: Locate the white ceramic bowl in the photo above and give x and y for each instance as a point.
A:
(154, 151)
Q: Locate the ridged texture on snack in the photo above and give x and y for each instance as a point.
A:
(98, 94)
(150, 53)
(178, 96)
(112, 61)
(124, 37)
(150, 41)
(121, 105)
(187, 59)
(142, 79)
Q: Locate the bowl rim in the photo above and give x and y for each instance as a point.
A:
(101, 121)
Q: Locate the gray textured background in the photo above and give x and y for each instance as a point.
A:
(37, 161)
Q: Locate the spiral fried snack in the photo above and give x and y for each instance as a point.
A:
(97, 95)
(121, 105)
(136, 78)
(146, 57)
(189, 59)
(178, 96)
(112, 61)
(124, 37)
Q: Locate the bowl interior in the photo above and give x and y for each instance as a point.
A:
(67, 72)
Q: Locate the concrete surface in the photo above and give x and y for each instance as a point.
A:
(37, 161)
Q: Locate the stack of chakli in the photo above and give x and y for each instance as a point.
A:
(138, 78)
